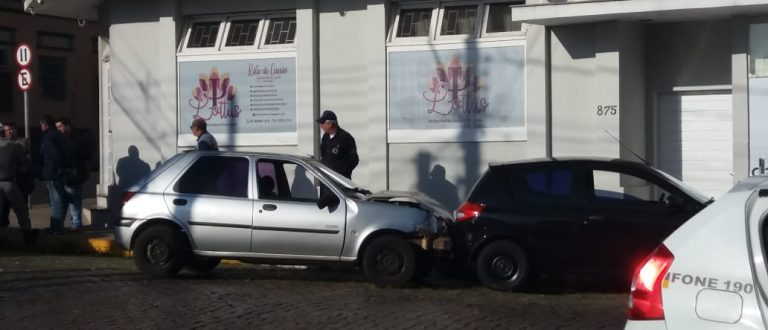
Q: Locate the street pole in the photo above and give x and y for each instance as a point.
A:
(26, 116)
(26, 135)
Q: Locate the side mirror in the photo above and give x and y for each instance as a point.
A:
(327, 199)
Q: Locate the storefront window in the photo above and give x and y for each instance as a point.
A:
(459, 20)
(242, 32)
(203, 34)
(500, 18)
(281, 31)
(414, 22)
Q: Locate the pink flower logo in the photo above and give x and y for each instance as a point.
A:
(461, 84)
(216, 92)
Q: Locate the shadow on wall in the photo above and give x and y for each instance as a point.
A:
(433, 183)
(129, 170)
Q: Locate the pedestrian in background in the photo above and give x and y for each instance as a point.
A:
(55, 159)
(24, 179)
(205, 140)
(76, 175)
(337, 147)
(13, 162)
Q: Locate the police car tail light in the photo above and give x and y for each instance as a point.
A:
(467, 211)
(645, 301)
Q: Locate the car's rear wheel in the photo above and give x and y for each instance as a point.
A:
(389, 261)
(202, 264)
(503, 265)
(160, 251)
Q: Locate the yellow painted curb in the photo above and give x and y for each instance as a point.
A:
(108, 246)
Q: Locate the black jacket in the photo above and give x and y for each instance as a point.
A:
(55, 155)
(13, 160)
(340, 152)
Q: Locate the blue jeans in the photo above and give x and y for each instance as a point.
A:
(75, 198)
(58, 200)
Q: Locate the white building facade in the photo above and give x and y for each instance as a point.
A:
(433, 91)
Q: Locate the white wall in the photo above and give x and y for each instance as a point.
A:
(143, 78)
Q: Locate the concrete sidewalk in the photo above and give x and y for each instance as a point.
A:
(91, 240)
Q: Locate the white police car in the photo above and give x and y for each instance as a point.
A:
(711, 272)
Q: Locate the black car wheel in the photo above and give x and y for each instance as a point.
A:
(202, 264)
(389, 261)
(160, 251)
(503, 265)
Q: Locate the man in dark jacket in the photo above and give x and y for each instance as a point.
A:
(78, 173)
(337, 147)
(13, 162)
(56, 159)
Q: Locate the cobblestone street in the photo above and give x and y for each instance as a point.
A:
(68, 292)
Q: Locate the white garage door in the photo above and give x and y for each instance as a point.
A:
(696, 140)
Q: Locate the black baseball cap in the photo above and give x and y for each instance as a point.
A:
(327, 115)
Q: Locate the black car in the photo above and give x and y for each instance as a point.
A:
(542, 216)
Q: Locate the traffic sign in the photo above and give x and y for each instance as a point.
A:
(24, 79)
(23, 55)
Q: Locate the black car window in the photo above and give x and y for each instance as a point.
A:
(544, 184)
(615, 187)
(216, 175)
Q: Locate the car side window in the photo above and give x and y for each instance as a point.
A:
(217, 176)
(286, 180)
(544, 184)
(621, 188)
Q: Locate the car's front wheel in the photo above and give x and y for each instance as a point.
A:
(389, 261)
(202, 264)
(503, 265)
(160, 251)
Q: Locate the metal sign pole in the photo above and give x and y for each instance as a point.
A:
(26, 136)
(26, 116)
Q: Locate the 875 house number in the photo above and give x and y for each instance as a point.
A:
(607, 110)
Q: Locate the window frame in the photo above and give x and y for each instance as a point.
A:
(41, 35)
(393, 38)
(479, 19)
(59, 92)
(12, 35)
(484, 28)
(228, 25)
(438, 10)
(184, 49)
(225, 24)
(265, 29)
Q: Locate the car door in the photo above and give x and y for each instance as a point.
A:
(211, 198)
(547, 198)
(630, 214)
(286, 218)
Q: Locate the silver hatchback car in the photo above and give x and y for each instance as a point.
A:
(200, 207)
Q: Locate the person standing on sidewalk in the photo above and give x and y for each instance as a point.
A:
(55, 158)
(24, 180)
(13, 162)
(337, 147)
(205, 140)
(76, 175)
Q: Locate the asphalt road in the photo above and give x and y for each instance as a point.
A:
(86, 292)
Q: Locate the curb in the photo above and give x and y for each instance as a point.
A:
(86, 242)
(97, 242)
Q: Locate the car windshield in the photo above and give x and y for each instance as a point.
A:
(686, 188)
(340, 180)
